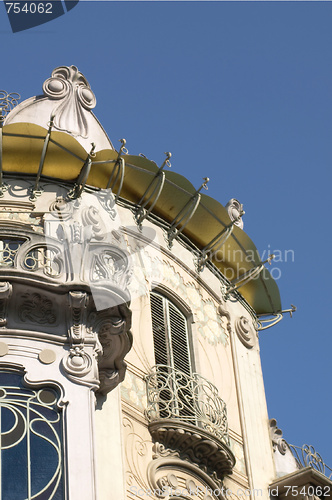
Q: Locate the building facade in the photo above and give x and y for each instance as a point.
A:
(130, 305)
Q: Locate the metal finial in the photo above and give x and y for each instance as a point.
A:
(204, 185)
(168, 157)
(123, 149)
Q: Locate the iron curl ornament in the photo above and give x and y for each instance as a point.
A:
(8, 101)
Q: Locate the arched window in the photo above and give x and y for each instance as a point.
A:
(170, 334)
(173, 359)
(31, 452)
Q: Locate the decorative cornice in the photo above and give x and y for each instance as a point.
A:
(95, 342)
(194, 444)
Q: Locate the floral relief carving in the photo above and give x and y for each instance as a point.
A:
(36, 308)
(137, 456)
(133, 390)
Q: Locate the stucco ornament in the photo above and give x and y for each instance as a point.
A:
(72, 89)
(245, 332)
(278, 441)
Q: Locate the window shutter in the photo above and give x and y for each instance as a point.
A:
(171, 347)
(159, 330)
(179, 339)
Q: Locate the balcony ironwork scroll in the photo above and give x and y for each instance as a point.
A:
(307, 456)
(174, 395)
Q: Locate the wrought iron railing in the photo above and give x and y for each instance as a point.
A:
(307, 456)
(172, 394)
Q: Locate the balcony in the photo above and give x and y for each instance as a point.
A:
(187, 415)
(301, 471)
(307, 456)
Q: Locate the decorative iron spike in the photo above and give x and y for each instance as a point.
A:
(185, 214)
(158, 184)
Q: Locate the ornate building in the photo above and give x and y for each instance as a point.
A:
(105, 256)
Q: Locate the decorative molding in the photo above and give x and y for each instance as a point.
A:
(72, 89)
(77, 362)
(160, 450)
(168, 474)
(107, 201)
(195, 445)
(90, 217)
(278, 442)
(78, 302)
(224, 313)
(16, 205)
(244, 332)
(6, 290)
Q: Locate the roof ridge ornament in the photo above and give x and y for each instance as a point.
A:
(235, 212)
(71, 88)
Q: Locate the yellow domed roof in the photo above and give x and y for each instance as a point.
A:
(56, 134)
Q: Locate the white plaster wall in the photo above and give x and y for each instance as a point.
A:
(257, 438)
(109, 448)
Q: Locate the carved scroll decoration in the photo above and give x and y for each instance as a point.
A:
(72, 89)
(278, 441)
(244, 332)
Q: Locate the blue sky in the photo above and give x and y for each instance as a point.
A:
(240, 92)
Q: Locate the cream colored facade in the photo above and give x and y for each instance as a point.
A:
(79, 263)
